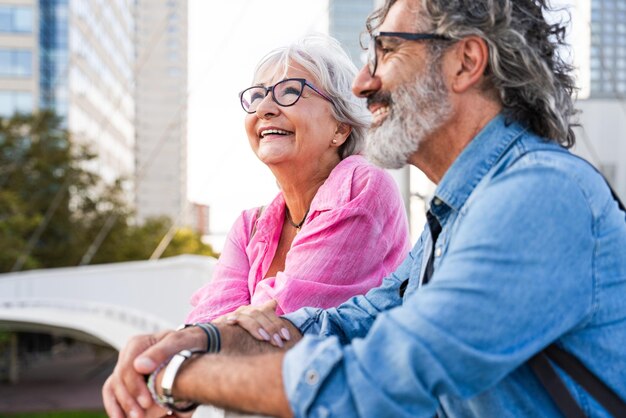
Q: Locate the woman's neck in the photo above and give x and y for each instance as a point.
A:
(299, 184)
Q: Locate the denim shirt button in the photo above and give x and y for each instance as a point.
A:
(438, 252)
(312, 377)
(323, 412)
(436, 201)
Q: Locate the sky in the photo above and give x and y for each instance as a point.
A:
(226, 40)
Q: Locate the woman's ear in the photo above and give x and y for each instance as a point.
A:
(341, 133)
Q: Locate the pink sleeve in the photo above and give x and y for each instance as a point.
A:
(228, 288)
(343, 251)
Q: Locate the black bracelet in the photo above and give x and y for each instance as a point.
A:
(214, 340)
(213, 337)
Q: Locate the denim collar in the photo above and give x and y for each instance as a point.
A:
(475, 161)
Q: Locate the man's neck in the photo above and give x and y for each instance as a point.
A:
(438, 151)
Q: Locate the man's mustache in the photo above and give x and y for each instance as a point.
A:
(379, 97)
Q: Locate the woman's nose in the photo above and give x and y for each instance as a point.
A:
(364, 84)
(268, 108)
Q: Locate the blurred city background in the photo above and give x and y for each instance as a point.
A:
(123, 163)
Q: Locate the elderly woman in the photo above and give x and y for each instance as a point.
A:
(335, 229)
(337, 226)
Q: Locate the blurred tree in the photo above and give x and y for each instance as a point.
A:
(188, 241)
(52, 207)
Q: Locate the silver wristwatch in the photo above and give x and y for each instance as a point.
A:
(167, 382)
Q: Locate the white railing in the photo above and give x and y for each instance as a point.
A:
(110, 302)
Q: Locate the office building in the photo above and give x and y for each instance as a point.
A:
(19, 58)
(347, 22)
(76, 58)
(161, 109)
(608, 49)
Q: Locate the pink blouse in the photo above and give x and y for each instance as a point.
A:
(355, 234)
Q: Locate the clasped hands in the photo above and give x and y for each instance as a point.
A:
(125, 393)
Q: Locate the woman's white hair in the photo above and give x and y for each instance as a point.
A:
(330, 65)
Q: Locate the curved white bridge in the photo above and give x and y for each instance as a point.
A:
(105, 303)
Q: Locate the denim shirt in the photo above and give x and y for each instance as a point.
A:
(533, 250)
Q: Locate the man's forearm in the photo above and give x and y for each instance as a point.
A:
(250, 384)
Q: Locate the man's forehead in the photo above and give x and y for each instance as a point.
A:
(402, 17)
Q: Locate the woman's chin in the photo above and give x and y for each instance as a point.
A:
(273, 158)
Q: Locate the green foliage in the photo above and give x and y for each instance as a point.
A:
(47, 192)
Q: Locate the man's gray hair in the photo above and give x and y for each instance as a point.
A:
(330, 65)
(533, 83)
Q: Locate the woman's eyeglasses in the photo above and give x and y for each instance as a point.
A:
(285, 93)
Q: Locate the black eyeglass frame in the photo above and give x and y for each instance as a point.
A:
(372, 54)
(270, 89)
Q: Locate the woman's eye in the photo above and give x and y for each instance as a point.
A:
(291, 90)
(256, 96)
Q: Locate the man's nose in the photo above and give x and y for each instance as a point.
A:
(364, 84)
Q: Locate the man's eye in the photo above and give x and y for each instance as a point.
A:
(383, 48)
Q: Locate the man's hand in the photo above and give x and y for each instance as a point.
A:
(125, 392)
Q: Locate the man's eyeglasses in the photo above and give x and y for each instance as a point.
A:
(285, 93)
(372, 44)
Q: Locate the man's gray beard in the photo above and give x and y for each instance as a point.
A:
(417, 109)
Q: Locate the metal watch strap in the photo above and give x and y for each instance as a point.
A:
(169, 376)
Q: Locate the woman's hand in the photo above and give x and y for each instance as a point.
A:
(261, 322)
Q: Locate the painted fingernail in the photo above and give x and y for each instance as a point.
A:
(264, 334)
(285, 333)
(145, 363)
(134, 414)
(278, 340)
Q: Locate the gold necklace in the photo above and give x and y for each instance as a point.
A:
(296, 225)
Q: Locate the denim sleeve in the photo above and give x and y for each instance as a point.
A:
(516, 275)
(353, 318)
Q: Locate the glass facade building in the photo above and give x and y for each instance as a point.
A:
(99, 82)
(347, 22)
(161, 109)
(608, 49)
(16, 19)
(53, 55)
(18, 57)
(74, 57)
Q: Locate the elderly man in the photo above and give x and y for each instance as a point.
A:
(525, 247)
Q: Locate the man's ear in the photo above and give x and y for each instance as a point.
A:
(470, 60)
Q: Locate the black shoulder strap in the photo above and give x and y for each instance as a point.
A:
(559, 393)
(554, 386)
(589, 381)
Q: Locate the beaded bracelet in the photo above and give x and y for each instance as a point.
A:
(158, 399)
